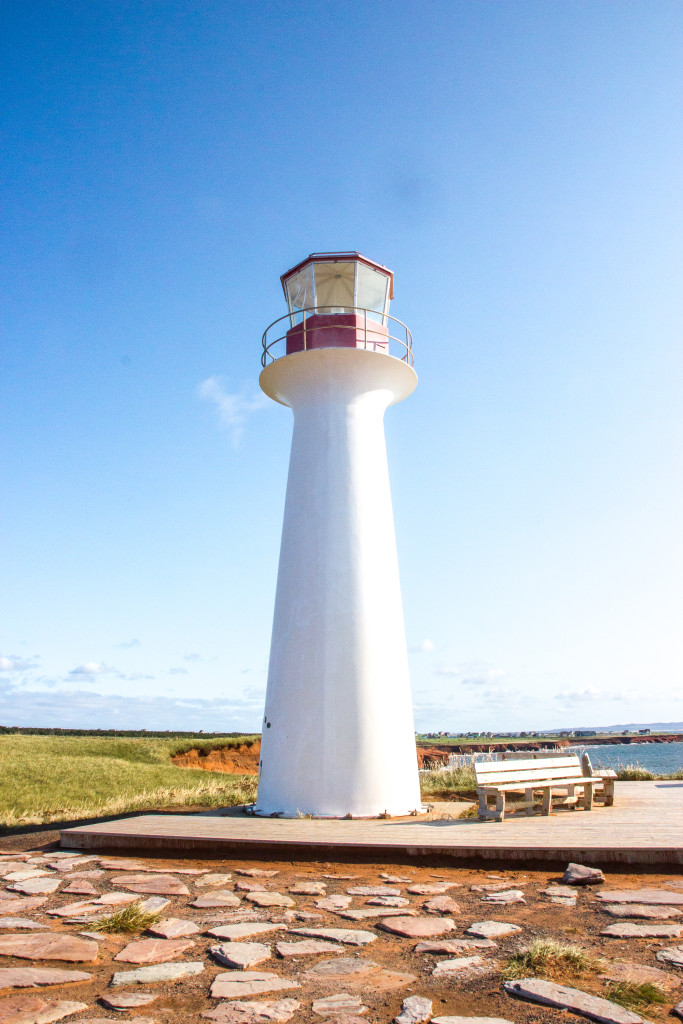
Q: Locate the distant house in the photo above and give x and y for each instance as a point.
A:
(643, 732)
(585, 732)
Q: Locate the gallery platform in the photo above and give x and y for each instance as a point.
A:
(645, 826)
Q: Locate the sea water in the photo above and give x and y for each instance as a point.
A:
(660, 758)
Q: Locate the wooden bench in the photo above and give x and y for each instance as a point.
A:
(549, 776)
(603, 793)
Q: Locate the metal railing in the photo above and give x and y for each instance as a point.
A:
(373, 339)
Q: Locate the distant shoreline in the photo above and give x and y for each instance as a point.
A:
(494, 746)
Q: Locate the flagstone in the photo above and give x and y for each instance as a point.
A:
(241, 954)
(471, 1020)
(83, 907)
(114, 1020)
(153, 905)
(492, 929)
(538, 990)
(368, 912)
(341, 878)
(218, 898)
(307, 947)
(348, 936)
(336, 902)
(36, 1010)
(677, 1011)
(641, 910)
(415, 1010)
(651, 896)
(81, 888)
(153, 951)
(162, 885)
(256, 872)
(463, 965)
(627, 930)
(505, 896)
(640, 974)
(341, 1002)
(454, 945)
(373, 890)
(23, 874)
(246, 885)
(416, 927)
(128, 1000)
(236, 984)
(173, 928)
(113, 899)
(290, 916)
(395, 879)
(213, 878)
(430, 888)
(36, 886)
(37, 977)
(389, 901)
(341, 968)
(243, 1012)
(270, 899)
(560, 890)
(673, 956)
(20, 923)
(308, 889)
(19, 905)
(157, 972)
(441, 905)
(50, 946)
(235, 932)
(491, 887)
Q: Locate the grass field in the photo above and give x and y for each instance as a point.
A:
(61, 778)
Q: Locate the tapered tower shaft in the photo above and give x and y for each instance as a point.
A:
(338, 733)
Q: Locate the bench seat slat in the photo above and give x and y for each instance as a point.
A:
(579, 780)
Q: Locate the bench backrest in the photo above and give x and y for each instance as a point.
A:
(491, 773)
(521, 755)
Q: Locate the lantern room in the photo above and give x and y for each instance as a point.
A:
(338, 300)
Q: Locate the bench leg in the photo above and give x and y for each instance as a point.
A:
(500, 807)
(588, 798)
(547, 800)
(483, 806)
(608, 785)
(571, 791)
(529, 800)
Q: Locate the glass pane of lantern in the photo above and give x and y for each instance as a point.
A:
(334, 286)
(371, 290)
(300, 289)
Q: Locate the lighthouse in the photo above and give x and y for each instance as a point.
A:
(338, 737)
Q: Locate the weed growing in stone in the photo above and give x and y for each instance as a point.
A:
(131, 918)
(548, 957)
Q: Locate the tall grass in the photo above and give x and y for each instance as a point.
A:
(447, 783)
(60, 778)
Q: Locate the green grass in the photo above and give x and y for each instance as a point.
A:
(61, 778)
(449, 783)
(131, 918)
(634, 997)
(548, 957)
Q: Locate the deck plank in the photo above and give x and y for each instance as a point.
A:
(645, 826)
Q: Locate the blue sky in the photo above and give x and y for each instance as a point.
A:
(518, 166)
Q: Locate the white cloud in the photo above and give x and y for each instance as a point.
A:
(471, 675)
(233, 409)
(178, 672)
(589, 694)
(92, 668)
(129, 643)
(426, 647)
(14, 663)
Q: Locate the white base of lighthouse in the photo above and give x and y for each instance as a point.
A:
(338, 734)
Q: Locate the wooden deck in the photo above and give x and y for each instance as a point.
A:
(645, 826)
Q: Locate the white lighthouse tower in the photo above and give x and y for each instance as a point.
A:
(338, 735)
